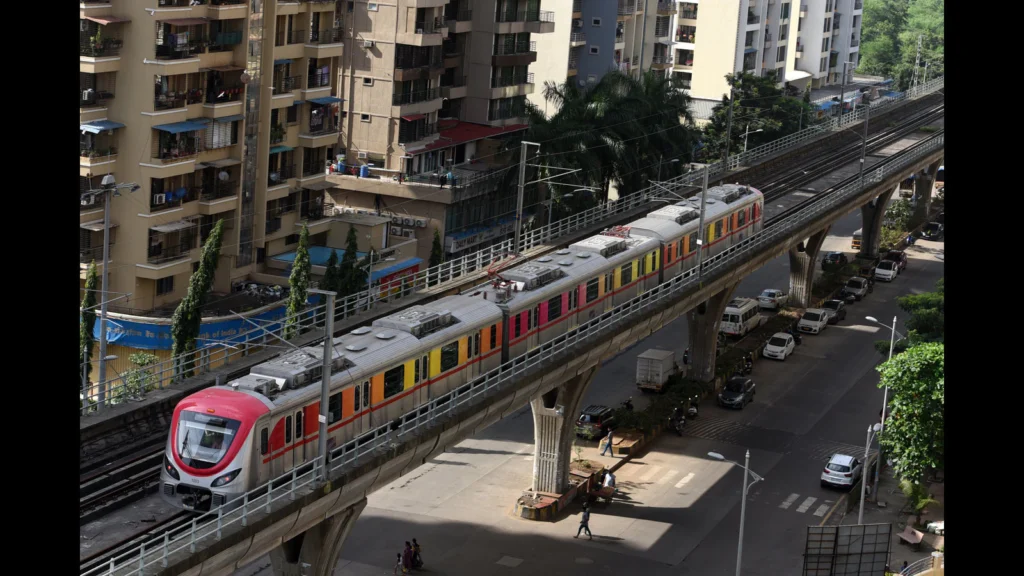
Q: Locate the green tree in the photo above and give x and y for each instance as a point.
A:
(927, 321)
(880, 44)
(353, 277)
(436, 250)
(925, 19)
(298, 282)
(187, 318)
(759, 103)
(899, 214)
(914, 435)
(332, 274)
(87, 319)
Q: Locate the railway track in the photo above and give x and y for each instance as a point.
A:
(109, 557)
(104, 489)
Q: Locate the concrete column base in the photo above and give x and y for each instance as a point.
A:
(315, 552)
(554, 429)
(703, 323)
(923, 188)
(801, 268)
(872, 215)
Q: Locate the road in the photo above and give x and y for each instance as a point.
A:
(679, 511)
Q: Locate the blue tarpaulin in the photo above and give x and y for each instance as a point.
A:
(179, 127)
(383, 272)
(234, 118)
(277, 149)
(325, 100)
(100, 126)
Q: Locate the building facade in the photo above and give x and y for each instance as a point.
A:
(829, 35)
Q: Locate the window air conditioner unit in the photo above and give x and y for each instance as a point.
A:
(396, 219)
(159, 199)
(88, 200)
(367, 43)
(407, 221)
(419, 30)
(420, 223)
(408, 233)
(361, 155)
(396, 231)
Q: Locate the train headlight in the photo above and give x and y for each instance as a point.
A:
(170, 469)
(226, 478)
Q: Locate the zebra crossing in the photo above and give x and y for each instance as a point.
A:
(806, 505)
(732, 432)
(824, 450)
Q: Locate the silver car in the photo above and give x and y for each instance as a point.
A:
(841, 470)
(857, 286)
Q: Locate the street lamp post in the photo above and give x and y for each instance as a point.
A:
(885, 398)
(746, 134)
(672, 161)
(743, 504)
(842, 91)
(863, 480)
(700, 225)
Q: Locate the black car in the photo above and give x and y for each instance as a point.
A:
(933, 231)
(836, 310)
(899, 257)
(834, 261)
(737, 393)
(595, 421)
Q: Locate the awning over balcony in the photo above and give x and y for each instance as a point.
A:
(665, 41)
(283, 61)
(224, 163)
(325, 100)
(317, 186)
(179, 127)
(107, 19)
(277, 149)
(233, 118)
(97, 126)
(174, 226)
(414, 117)
(228, 68)
(750, 50)
(794, 75)
(187, 21)
(95, 226)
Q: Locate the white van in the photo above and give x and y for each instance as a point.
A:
(740, 316)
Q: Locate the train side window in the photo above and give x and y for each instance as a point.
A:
(608, 283)
(299, 430)
(264, 442)
(627, 274)
(494, 336)
(572, 298)
(741, 218)
(288, 430)
(334, 408)
(355, 398)
(425, 374)
(476, 344)
(394, 380)
(416, 371)
(449, 356)
(693, 243)
(516, 326)
(366, 394)
(718, 229)
(535, 316)
(643, 266)
(554, 308)
(592, 289)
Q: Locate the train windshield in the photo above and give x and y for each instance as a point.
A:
(204, 439)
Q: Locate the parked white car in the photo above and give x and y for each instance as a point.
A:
(813, 321)
(841, 470)
(779, 346)
(886, 270)
(772, 299)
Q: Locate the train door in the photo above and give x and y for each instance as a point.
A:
(424, 376)
(262, 453)
(301, 450)
(571, 301)
(365, 419)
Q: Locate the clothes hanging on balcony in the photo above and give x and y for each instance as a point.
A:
(325, 75)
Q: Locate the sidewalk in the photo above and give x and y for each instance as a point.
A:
(894, 500)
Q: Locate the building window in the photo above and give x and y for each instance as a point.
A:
(783, 31)
(828, 25)
(291, 239)
(800, 25)
(596, 22)
(824, 44)
(785, 11)
(595, 49)
(592, 290)
(164, 285)
(782, 54)
(626, 274)
(824, 64)
(367, 81)
(334, 408)
(364, 117)
(293, 114)
(370, 6)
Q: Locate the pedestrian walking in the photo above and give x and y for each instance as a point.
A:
(686, 357)
(585, 523)
(407, 557)
(399, 569)
(608, 444)
(417, 559)
(904, 569)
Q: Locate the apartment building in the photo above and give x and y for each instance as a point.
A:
(434, 108)
(581, 49)
(217, 114)
(828, 35)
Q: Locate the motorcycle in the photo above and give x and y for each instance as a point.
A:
(628, 404)
(796, 337)
(676, 423)
(692, 410)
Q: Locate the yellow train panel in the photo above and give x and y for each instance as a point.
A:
(617, 281)
(410, 374)
(463, 350)
(435, 362)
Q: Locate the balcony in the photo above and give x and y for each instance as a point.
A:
(627, 8)
(803, 10)
(461, 20)
(169, 198)
(767, 40)
(854, 40)
(320, 133)
(99, 54)
(285, 84)
(688, 14)
(412, 63)
(287, 37)
(577, 8)
(415, 130)
(574, 66)
(577, 39)
(662, 29)
(280, 175)
(858, 5)
(455, 89)
(799, 50)
(753, 17)
(326, 43)
(427, 32)
(666, 8)
(92, 97)
(509, 86)
(506, 115)
(273, 225)
(686, 34)
(225, 40)
(519, 53)
(92, 254)
(167, 255)
(221, 197)
(661, 61)
(620, 37)
(623, 67)
(518, 21)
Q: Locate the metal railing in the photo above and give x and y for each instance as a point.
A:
(284, 489)
(326, 36)
(285, 84)
(688, 14)
(286, 37)
(577, 5)
(226, 94)
(92, 254)
(514, 80)
(328, 126)
(412, 132)
(574, 63)
(167, 253)
(317, 80)
(414, 97)
(166, 372)
(522, 47)
(923, 565)
(752, 17)
(315, 166)
(106, 47)
(661, 59)
(430, 26)
(218, 191)
(577, 37)
(626, 8)
(858, 4)
(506, 113)
(278, 133)
(272, 225)
(525, 16)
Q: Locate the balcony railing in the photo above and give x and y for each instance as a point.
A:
(752, 17)
(686, 34)
(218, 191)
(506, 113)
(662, 30)
(429, 26)
(95, 253)
(314, 167)
(464, 15)
(224, 41)
(196, 44)
(318, 80)
(522, 47)
(688, 14)
(280, 175)
(404, 98)
(577, 5)
(857, 5)
(665, 7)
(95, 153)
(578, 37)
(624, 67)
(226, 94)
(286, 37)
(286, 84)
(419, 59)
(320, 211)
(185, 148)
(413, 131)
(620, 38)
(326, 36)
(661, 59)
(92, 97)
(278, 133)
(103, 48)
(191, 195)
(525, 16)
(627, 8)
(227, 2)
(574, 64)
(514, 80)
(445, 89)
(273, 225)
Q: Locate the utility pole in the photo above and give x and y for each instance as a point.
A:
(917, 63)
(864, 144)
(700, 229)
(842, 94)
(522, 188)
(643, 38)
(325, 380)
(728, 127)
(801, 125)
(925, 81)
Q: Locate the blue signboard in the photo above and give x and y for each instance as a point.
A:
(150, 336)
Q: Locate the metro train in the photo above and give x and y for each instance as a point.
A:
(226, 440)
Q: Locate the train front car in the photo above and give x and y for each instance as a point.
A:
(209, 448)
